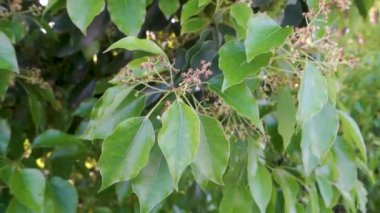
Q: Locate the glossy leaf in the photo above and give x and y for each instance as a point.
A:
(5, 136)
(128, 15)
(168, 7)
(240, 98)
(352, 131)
(154, 182)
(28, 186)
(289, 187)
(117, 104)
(82, 12)
(234, 65)
(199, 177)
(260, 186)
(53, 138)
(240, 14)
(235, 199)
(179, 138)
(62, 194)
(263, 34)
(318, 135)
(286, 115)
(312, 95)
(8, 60)
(213, 152)
(133, 43)
(125, 152)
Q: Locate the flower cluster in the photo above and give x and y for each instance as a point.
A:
(307, 43)
(147, 71)
(34, 77)
(193, 77)
(36, 10)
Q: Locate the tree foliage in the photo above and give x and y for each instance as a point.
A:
(198, 105)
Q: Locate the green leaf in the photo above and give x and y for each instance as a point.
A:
(352, 132)
(240, 98)
(364, 6)
(344, 163)
(261, 187)
(168, 7)
(286, 115)
(123, 190)
(5, 80)
(8, 60)
(179, 138)
(253, 158)
(125, 152)
(16, 207)
(82, 12)
(203, 2)
(53, 138)
(240, 14)
(199, 177)
(313, 204)
(189, 9)
(232, 61)
(326, 190)
(318, 135)
(235, 199)
(62, 195)
(213, 152)
(194, 25)
(117, 104)
(28, 186)
(37, 111)
(263, 34)
(154, 182)
(5, 136)
(133, 43)
(128, 15)
(312, 95)
(361, 196)
(290, 189)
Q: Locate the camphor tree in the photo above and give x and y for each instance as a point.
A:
(178, 106)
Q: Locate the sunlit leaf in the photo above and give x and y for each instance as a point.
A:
(213, 152)
(179, 138)
(240, 98)
(263, 34)
(240, 14)
(234, 65)
(352, 131)
(117, 104)
(125, 152)
(133, 43)
(261, 187)
(286, 115)
(312, 95)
